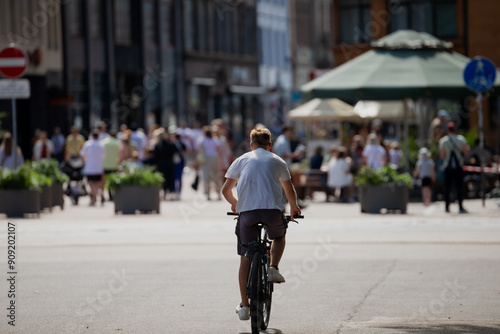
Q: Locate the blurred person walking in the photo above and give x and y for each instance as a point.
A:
(283, 146)
(126, 150)
(74, 144)
(339, 176)
(425, 171)
(452, 149)
(179, 163)
(111, 147)
(210, 167)
(139, 139)
(317, 159)
(58, 141)
(395, 155)
(7, 153)
(374, 154)
(43, 148)
(102, 127)
(92, 154)
(164, 152)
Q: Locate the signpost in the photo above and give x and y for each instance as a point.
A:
(13, 64)
(479, 76)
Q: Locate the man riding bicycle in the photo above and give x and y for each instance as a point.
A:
(260, 176)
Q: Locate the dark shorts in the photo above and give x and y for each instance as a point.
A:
(94, 177)
(247, 231)
(426, 182)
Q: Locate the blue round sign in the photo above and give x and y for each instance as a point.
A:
(480, 74)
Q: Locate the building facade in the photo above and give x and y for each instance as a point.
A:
(35, 27)
(118, 61)
(275, 66)
(219, 62)
(311, 42)
(470, 25)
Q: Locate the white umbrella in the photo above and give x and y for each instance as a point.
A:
(324, 109)
(387, 111)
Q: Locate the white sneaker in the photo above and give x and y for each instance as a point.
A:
(274, 276)
(243, 312)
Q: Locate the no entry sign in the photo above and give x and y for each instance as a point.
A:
(13, 62)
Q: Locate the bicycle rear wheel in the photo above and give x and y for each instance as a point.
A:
(255, 294)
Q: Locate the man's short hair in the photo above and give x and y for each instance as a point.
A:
(260, 137)
(95, 134)
(285, 128)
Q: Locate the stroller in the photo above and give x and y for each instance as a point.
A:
(76, 186)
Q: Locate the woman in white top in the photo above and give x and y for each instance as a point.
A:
(374, 154)
(212, 156)
(339, 174)
(92, 154)
(7, 154)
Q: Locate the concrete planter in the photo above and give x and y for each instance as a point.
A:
(390, 197)
(46, 198)
(129, 199)
(57, 195)
(17, 203)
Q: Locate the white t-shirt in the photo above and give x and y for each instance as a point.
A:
(140, 141)
(282, 147)
(375, 155)
(209, 146)
(337, 174)
(93, 153)
(259, 173)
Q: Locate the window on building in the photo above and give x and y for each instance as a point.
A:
(436, 17)
(218, 30)
(240, 31)
(167, 17)
(98, 94)
(228, 32)
(202, 25)
(189, 27)
(250, 30)
(75, 18)
(123, 24)
(95, 19)
(446, 19)
(303, 17)
(355, 21)
(53, 32)
(150, 22)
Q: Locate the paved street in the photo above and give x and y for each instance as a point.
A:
(87, 270)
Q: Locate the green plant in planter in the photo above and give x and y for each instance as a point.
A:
(130, 174)
(386, 175)
(23, 177)
(50, 168)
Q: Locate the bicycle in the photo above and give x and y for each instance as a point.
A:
(259, 289)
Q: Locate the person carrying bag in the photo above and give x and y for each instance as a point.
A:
(452, 149)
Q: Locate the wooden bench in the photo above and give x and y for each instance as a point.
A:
(311, 181)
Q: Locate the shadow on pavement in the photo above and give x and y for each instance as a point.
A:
(449, 328)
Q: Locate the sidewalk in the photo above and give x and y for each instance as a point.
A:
(194, 201)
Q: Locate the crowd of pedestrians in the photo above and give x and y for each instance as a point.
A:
(209, 151)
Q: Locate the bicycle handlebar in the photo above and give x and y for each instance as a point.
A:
(288, 217)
